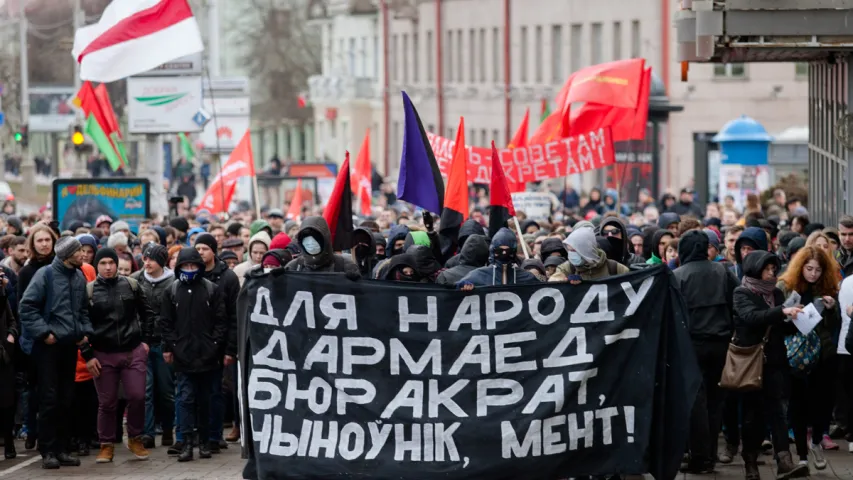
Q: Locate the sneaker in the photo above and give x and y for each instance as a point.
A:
(817, 454)
(698, 468)
(767, 445)
(850, 447)
(83, 449)
(147, 441)
(106, 454)
(67, 460)
(223, 444)
(137, 449)
(728, 455)
(49, 462)
(176, 449)
(828, 444)
(836, 432)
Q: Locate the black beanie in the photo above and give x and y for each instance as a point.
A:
(103, 253)
(206, 239)
(180, 223)
(156, 252)
(234, 229)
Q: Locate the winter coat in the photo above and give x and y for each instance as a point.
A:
(707, 288)
(469, 227)
(326, 260)
(243, 269)
(68, 316)
(475, 254)
(121, 317)
(754, 236)
(194, 322)
(364, 257)
(8, 326)
(688, 209)
(25, 275)
(603, 268)
(154, 289)
(227, 286)
(494, 273)
(626, 257)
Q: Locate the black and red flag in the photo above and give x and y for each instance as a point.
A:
(455, 209)
(500, 201)
(338, 212)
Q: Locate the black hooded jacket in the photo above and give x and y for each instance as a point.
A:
(475, 254)
(493, 273)
(425, 263)
(752, 236)
(227, 284)
(363, 255)
(648, 241)
(708, 289)
(394, 271)
(326, 260)
(753, 315)
(469, 227)
(626, 257)
(551, 245)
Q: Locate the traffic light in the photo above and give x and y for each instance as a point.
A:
(77, 138)
(22, 136)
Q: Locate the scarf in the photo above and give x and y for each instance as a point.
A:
(763, 288)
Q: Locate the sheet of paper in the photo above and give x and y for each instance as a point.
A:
(793, 299)
(807, 319)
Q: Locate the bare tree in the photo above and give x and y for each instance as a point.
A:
(283, 50)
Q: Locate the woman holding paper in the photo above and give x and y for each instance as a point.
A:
(813, 274)
(761, 318)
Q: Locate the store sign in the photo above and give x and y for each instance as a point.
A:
(163, 104)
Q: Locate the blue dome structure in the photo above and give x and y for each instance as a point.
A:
(744, 141)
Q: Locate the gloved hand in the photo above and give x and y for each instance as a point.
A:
(353, 274)
(465, 286)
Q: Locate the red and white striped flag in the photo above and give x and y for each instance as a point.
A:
(134, 36)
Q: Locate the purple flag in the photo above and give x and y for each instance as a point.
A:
(420, 181)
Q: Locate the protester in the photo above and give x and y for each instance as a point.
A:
(474, 254)
(315, 241)
(259, 244)
(503, 268)
(617, 236)
(363, 250)
(586, 260)
(9, 334)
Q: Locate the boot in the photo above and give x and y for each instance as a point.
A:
(49, 461)
(750, 466)
(168, 439)
(234, 436)
(176, 449)
(204, 449)
(786, 468)
(67, 460)
(9, 451)
(213, 447)
(83, 449)
(186, 452)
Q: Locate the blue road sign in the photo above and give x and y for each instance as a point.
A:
(201, 118)
(2, 118)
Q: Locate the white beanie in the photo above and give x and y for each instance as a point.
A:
(582, 240)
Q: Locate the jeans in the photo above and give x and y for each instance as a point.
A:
(85, 411)
(194, 406)
(159, 392)
(767, 407)
(706, 417)
(217, 405)
(56, 366)
(129, 369)
(812, 397)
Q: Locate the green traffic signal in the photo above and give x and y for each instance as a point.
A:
(18, 136)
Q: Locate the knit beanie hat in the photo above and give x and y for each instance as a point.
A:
(105, 252)
(118, 226)
(206, 239)
(66, 247)
(156, 252)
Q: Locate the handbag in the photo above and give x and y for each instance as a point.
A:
(744, 366)
(803, 352)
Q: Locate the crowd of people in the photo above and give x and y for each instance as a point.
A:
(139, 325)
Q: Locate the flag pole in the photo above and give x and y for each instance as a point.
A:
(218, 146)
(521, 238)
(257, 194)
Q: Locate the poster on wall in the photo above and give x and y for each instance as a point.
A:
(742, 180)
(86, 199)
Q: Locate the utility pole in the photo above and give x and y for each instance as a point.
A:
(79, 21)
(28, 165)
(214, 62)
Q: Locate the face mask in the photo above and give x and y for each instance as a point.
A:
(616, 248)
(311, 246)
(504, 256)
(186, 276)
(396, 251)
(575, 259)
(361, 251)
(267, 269)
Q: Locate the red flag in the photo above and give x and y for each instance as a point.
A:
(520, 140)
(106, 104)
(295, 210)
(613, 83)
(456, 193)
(625, 123)
(362, 175)
(241, 163)
(338, 212)
(641, 118)
(500, 201)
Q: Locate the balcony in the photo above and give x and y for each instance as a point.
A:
(324, 88)
(763, 30)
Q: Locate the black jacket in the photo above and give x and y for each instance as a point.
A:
(475, 254)
(227, 285)
(753, 315)
(121, 317)
(326, 260)
(708, 289)
(194, 323)
(468, 228)
(364, 256)
(25, 274)
(690, 209)
(154, 291)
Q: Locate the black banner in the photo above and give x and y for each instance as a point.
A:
(366, 379)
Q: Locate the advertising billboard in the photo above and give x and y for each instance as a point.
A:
(50, 109)
(163, 104)
(86, 199)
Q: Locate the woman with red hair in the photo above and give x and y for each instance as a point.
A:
(814, 275)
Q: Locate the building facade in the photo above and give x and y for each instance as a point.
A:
(451, 57)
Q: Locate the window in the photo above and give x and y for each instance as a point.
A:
(522, 57)
(472, 137)
(484, 138)
(801, 70)
(617, 41)
(537, 45)
(430, 127)
(460, 61)
(729, 70)
(393, 60)
(364, 57)
(451, 133)
(404, 58)
(636, 39)
(595, 56)
(396, 148)
(472, 58)
(577, 44)
(495, 137)
(376, 56)
(557, 54)
(351, 54)
(429, 60)
(341, 55)
(448, 73)
(496, 54)
(416, 58)
(482, 55)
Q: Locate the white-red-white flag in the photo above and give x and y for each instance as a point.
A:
(241, 163)
(134, 36)
(360, 179)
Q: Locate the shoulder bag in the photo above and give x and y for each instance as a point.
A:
(744, 367)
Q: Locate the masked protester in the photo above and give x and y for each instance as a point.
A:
(475, 254)
(315, 240)
(468, 229)
(425, 262)
(403, 268)
(274, 259)
(363, 250)
(535, 267)
(395, 246)
(503, 265)
(620, 244)
(586, 260)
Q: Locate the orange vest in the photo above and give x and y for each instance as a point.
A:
(83, 374)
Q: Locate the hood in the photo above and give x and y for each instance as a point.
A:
(277, 257)
(189, 255)
(475, 252)
(363, 235)
(583, 241)
(398, 232)
(192, 232)
(693, 247)
(468, 228)
(648, 235)
(753, 236)
(533, 263)
(612, 193)
(280, 241)
(416, 238)
(167, 274)
(425, 261)
(317, 227)
(258, 225)
(504, 238)
(668, 218)
(378, 238)
(528, 223)
(551, 245)
(656, 238)
(755, 262)
(397, 263)
(622, 254)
